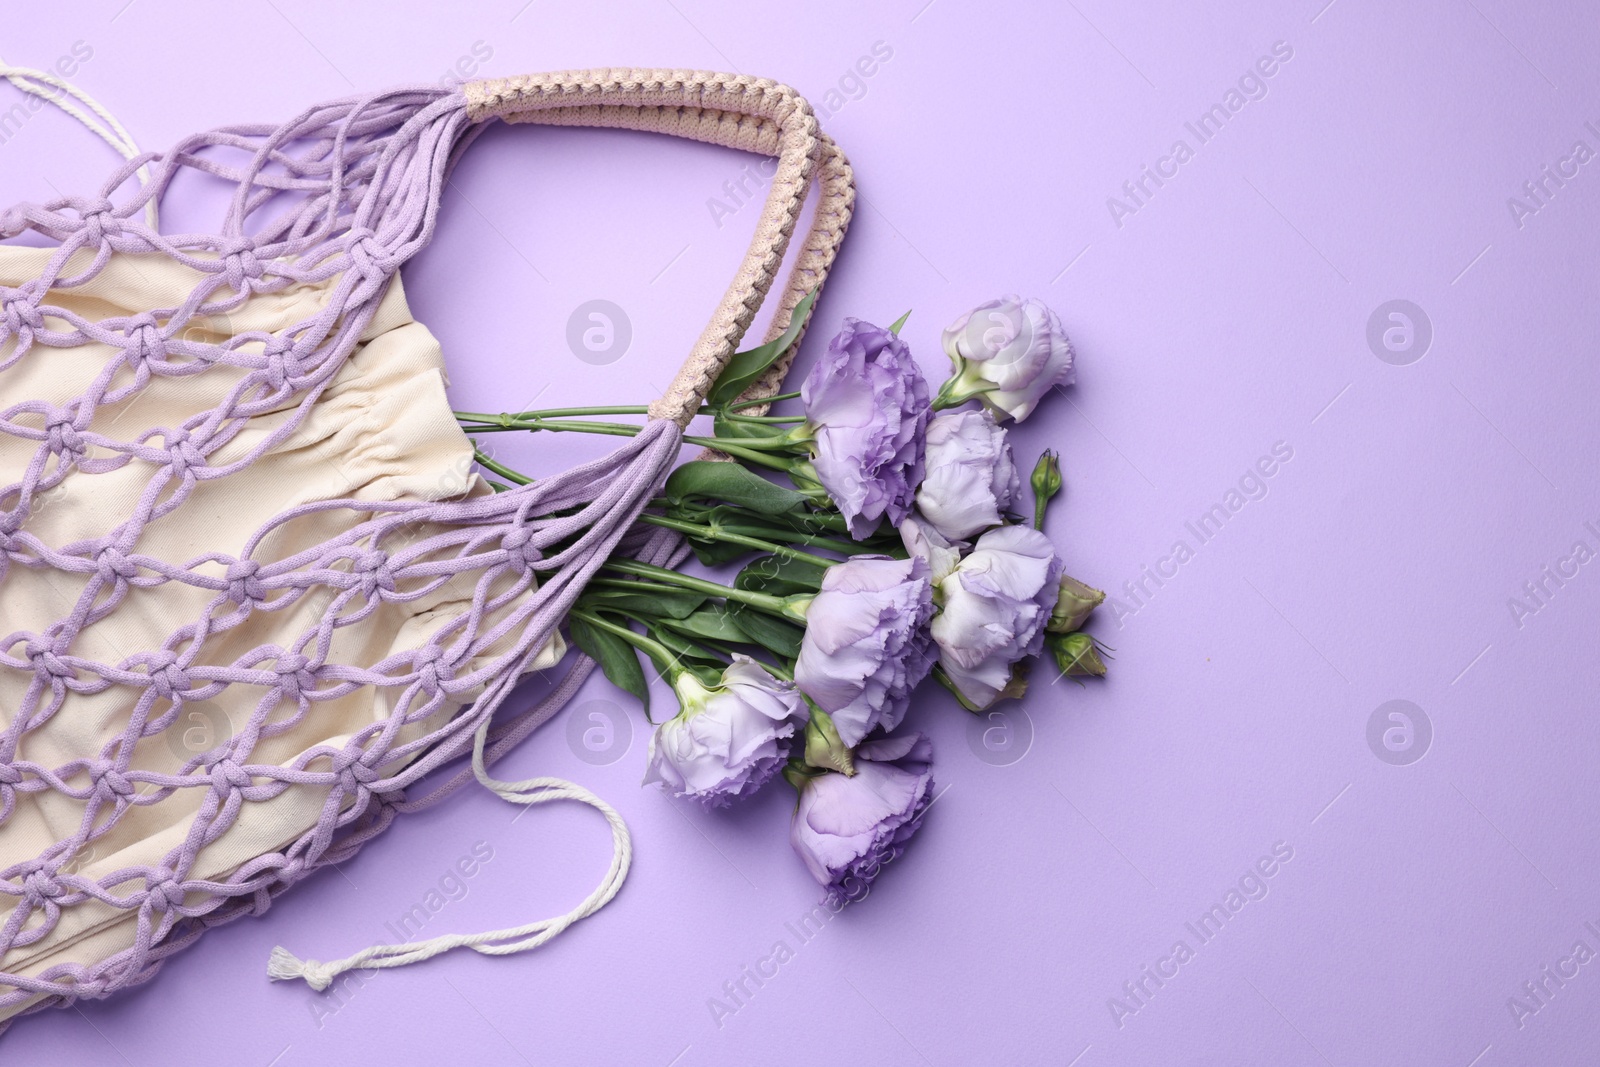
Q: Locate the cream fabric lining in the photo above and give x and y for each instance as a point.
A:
(382, 430)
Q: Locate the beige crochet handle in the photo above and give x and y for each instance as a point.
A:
(732, 110)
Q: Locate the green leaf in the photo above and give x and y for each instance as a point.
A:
(618, 659)
(657, 603)
(769, 631)
(901, 321)
(732, 483)
(714, 623)
(780, 576)
(684, 647)
(745, 367)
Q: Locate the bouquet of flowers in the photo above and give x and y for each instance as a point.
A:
(865, 543)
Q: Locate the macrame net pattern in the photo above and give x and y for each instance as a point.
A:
(342, 195)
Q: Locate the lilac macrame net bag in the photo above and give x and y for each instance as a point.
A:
(386, 626)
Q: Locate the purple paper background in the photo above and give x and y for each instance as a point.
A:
(1225, 315)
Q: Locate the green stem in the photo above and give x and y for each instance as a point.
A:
(775, 605)
(712, 533)
(659, 653)
(473, 416)
(763, 400)
(612, 429)
(503, 471)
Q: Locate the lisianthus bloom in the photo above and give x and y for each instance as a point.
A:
(1008, 352)
(925, 542)
(846, 829)
(995, 607)
(728, 740)
(866, 406)
(971, 478)
(866, 643)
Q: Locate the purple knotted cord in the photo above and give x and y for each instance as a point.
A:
(364, 177)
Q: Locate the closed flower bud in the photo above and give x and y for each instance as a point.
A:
(1046, 484)
(1073, 605)
(1077, 655)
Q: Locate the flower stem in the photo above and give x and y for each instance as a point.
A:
(661, 654)
(500, 419)
(775, 605)
(503, 471)
(713, 533)
(764, 400)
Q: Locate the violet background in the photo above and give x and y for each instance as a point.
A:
(1226, 315)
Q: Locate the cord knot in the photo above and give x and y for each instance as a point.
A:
(521, 551)
(294, 675)
(146, 344)
(432, 668)
(227, 776)
(368, 257)
(163, 891)
(284, 366)
(354, 775)
(244, 587)
(113, 566)
(166, 677)
(110, 781)
(47, 660)
(372, 567)
(61, 433)
(182, 455)
(100, 222)
(40, 885)
(239, 263)
(19, 310)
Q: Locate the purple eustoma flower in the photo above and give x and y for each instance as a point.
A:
(972, 479)
(996, 604)
(1008, 352)
(866, 406)
(866, 643)
(729, 740)
(846, 829)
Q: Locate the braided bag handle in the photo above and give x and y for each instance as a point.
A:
(363, 219)
(734, 111)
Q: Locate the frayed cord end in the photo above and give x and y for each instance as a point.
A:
(285, 966)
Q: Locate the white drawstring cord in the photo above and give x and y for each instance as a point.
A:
(283, 965)
(112, 133)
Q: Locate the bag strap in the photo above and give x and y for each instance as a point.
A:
(731, 110)
(735, 111)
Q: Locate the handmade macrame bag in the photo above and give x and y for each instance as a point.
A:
(250, 589)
